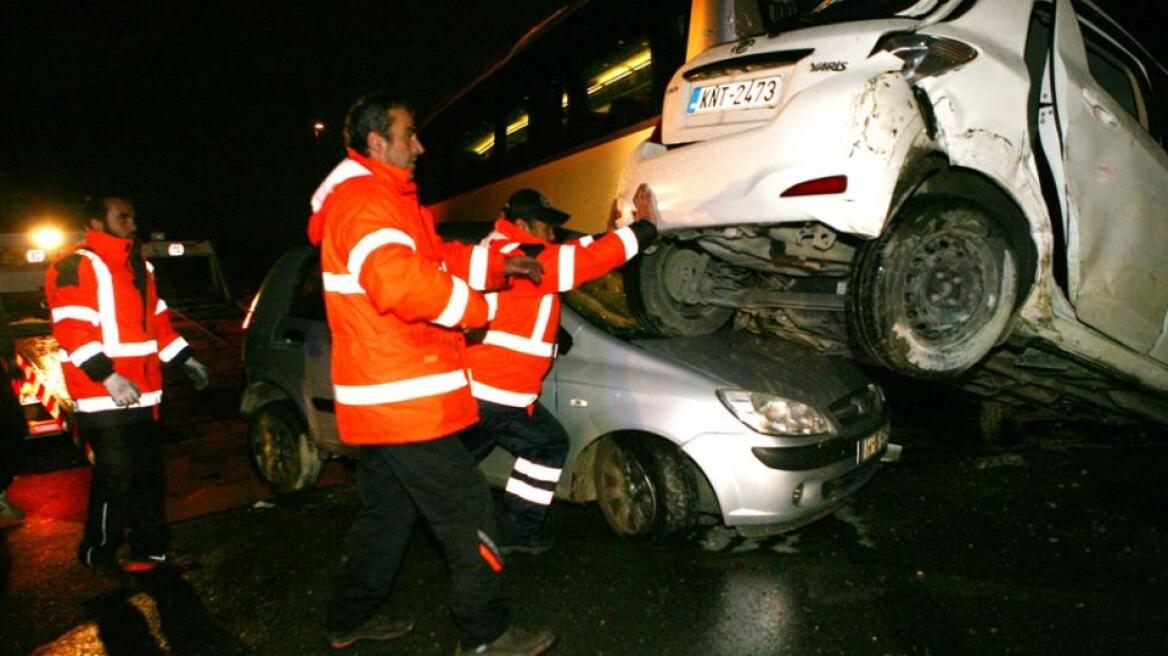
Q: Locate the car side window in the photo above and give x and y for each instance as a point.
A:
(1120, 75)
(308, 298)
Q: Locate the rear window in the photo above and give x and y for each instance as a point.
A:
(783, 15)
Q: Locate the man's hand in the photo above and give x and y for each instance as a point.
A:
(645, 205)
(197, 372)
(521, 265)
(122, 390)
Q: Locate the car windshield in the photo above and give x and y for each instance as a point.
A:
(782, 15)
(602, 303)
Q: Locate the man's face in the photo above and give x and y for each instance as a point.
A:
(401, 148)
(539, 229)
(119, 219)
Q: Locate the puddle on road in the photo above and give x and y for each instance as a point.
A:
(722, 539)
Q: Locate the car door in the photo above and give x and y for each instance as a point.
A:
(1114, 180)
(304, 334)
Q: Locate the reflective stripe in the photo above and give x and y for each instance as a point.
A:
(479, 257)
(567, 273)
(149, 266)
(529, 492)
(350, 282)
(586, 241)
(103, 403)
(84, 352)
(509, 247)
(160, 307)
(347, 169)
(131, 349)
(629, 239)
(401, 390)
(501, 396)
(456, 306)
(374, 241)
(167, 354)
(492, 305)
(341, 283)
(537, 471)
(105, 298)
(520, 344)
(79, 312)
(542, 317)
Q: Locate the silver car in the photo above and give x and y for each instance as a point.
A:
(764, 434)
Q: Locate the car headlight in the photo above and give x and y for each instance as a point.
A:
(774, 415)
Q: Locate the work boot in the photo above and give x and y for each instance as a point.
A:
(8, 510)
(378, 628)
(514, 642)
(532, 546)
(138, 563)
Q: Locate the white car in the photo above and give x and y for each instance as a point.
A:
(930, 185)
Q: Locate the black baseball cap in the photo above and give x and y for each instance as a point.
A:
(530, 204)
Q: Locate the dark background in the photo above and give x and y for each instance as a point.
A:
(203, 111)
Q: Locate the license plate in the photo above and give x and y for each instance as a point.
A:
(871, 446)
(747, 94)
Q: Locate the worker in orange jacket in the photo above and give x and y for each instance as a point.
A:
(397, 299)
(509, 364)
(114, 333)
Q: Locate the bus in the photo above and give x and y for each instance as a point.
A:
(566, 108)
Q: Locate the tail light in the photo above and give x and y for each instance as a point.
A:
(924, 55)
(835, 184)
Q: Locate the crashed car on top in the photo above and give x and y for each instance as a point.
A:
(920, 182)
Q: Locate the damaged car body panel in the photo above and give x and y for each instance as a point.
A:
(937, 189)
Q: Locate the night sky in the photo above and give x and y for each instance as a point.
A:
(203, 111)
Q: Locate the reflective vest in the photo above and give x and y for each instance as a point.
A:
(104, 322)
(508, 366)
(397, 297)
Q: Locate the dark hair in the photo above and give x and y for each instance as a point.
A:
(95, 206)
(370, 114)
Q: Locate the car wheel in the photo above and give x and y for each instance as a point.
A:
(658, 285)
(933, 295)
(283, 452)
(645, 488)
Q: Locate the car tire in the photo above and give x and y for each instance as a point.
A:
(653, 282)
(282, 451)
(936, 293)
(645, 488)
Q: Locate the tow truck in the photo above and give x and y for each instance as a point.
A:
(188, 276)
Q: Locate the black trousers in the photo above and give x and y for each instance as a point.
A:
(128, 489)
(437, 479)
(12, 429)
(540, 446)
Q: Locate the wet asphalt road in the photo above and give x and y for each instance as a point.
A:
(1057, 547)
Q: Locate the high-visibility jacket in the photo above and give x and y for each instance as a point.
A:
(396, 296)
(508, 366)
(106, 321)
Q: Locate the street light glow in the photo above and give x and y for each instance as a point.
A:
(47, 238)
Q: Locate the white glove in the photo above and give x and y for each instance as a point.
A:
(197, 372)
(123, 390)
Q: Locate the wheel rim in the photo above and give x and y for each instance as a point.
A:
(274, 446)
(951, 286)
(681, 268)
(627, 493)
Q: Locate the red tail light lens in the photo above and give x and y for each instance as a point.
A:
(835, 184)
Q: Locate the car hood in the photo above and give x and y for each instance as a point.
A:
(742, 360)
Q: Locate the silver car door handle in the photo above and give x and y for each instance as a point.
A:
(578, 403)
(1101, 113)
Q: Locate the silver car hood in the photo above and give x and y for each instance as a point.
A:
(743, 360)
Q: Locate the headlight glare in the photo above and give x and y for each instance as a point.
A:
(774, 415)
